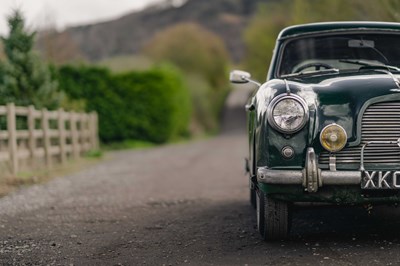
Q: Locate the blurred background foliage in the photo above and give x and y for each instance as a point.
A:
(202, 57)
(152, 105)
(24, 78)
(159, 74)
(272, 17)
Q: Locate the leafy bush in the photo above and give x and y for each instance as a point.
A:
(202, 56)
(194, 49)
(153, 105)
(204, 116)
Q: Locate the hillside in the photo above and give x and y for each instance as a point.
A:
(128, 34)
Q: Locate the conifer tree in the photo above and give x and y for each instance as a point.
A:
(25, 79)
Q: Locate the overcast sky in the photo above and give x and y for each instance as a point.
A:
(63, 13)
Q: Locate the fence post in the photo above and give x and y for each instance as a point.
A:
(61, 135)
(94, 131)
(31, 130)
(46, 137)
(12, 138)
(82, 138)
(74, 135)
(82, 133)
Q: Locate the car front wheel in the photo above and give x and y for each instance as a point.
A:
(253, 198)
(272, 217)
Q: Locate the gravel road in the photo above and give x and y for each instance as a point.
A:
(183, 204)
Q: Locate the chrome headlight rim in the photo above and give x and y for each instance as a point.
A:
(283, 97)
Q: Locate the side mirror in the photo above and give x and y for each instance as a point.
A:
(239, 76)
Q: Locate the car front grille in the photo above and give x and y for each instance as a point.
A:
(380, 122)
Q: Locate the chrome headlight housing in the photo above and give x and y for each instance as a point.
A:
(288, 113)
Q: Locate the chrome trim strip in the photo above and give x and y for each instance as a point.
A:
(311, 178)
(332, 162)
(362, 168)
(341, 177)
(295, 177)
(284, 177)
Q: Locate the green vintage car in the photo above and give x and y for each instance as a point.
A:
(325, 126)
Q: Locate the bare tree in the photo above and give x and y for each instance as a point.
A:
(54, 46)
(58, 47)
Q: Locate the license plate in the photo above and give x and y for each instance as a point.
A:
(380, 180)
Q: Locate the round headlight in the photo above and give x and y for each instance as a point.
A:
(288, 113)
(333, 138)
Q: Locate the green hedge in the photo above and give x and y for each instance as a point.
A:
(153, 105)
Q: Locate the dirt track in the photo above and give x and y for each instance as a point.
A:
(181, 204)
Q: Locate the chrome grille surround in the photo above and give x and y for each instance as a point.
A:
(380, 122)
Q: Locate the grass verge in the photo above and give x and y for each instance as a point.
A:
(127, 144)
(9, 183)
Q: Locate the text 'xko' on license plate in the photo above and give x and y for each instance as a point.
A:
(380, 180)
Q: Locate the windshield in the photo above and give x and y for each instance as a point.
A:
(339, 51)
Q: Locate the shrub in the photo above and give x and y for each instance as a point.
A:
(151, 106)
(194, 49)
(202, 56)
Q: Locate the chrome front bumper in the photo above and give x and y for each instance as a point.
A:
(299, 177)
(311, 177)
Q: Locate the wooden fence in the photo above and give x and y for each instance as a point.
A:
(34, 136)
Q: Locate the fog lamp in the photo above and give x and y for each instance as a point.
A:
(333, 138)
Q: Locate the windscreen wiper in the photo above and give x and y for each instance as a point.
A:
(377, 67)
(311, 73)
(369, 64)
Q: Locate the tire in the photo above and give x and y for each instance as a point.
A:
(273, 217)
(253, 197)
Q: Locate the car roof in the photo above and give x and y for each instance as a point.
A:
(336, 26)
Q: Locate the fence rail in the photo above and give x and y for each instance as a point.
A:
(50, 136)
